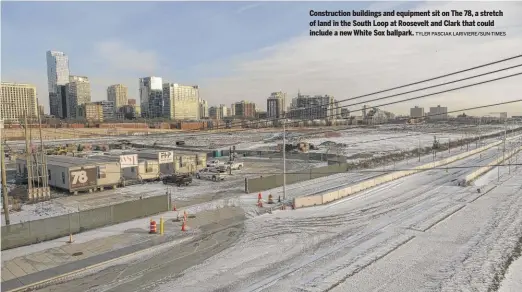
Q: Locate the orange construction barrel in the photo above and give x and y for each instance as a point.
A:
(152, 227)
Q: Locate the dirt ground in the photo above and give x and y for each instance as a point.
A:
(68, 133)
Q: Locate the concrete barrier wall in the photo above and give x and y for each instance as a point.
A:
(308, 201)
(268, 182)
(31, 232)
(474, 175)
(328, 197)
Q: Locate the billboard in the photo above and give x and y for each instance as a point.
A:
(82, 178)
(165, 157)
(130, 160)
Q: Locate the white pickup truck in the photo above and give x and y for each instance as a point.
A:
(207, 173)
(234, 165)
(215, 163)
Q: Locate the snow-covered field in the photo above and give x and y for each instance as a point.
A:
(377, 141)
(419, 233)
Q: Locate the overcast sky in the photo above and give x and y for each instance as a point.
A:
(246, 50)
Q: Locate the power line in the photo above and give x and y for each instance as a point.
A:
(423, 81)
(414, 83)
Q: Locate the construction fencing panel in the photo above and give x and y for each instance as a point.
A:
(254, 185)
(31, 232)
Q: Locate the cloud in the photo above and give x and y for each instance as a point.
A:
(118, 56)
(248, 7)
(350, 66)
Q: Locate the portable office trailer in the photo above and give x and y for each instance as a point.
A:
(78, 174)
(112, 166)
(164, 158)
(189, 162)
(148, 169)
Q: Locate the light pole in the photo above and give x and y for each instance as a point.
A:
(284, 158)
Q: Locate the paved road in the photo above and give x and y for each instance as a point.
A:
(145, 275)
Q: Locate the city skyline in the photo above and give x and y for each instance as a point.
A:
(251, 60)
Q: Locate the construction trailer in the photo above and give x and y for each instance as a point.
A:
(164, 159)
(76, 174)
(189, 162)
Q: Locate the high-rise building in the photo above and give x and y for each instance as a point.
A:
(17, 101)
(232, 111)
(245, 109)
(63, 109)
(275, 105)
(319, 107)
(151, 97)
(109, 113)
(57, 74)
(416, 112)
(41, 110)
(181, 102)
(223, 110)
(117, 93)
(213, 113)
(90, 111)
(78, 92)
(218, 112)
(203, 109)
(438, 113)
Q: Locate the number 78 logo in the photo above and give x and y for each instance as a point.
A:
(79, 176)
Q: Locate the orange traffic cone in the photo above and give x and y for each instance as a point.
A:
(174, 207)
(259, 197)
(183, 227)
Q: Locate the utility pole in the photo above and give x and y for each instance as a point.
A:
(4, 176)
(284, 158)
(418, 149)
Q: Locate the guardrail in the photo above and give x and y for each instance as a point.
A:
(474, 175)
(328, 197)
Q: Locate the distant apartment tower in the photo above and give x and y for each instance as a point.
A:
(131, 101)
(275, 105)
(213, 113)
(416, 112)
(203, 109)
(218, 112)
(92, 112)
(308, 107)
(78, 92)
(181, 102)
(232, 110)
(151, 97)
(245, 109)
(41, 110)
(118, 94)
(345, 113)
(17, 101)
(438, 113)
(223, 110)
(108, 109)
(57, 74)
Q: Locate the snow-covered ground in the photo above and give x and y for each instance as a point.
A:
(513, 280)
(198, 192)
(419, 233)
